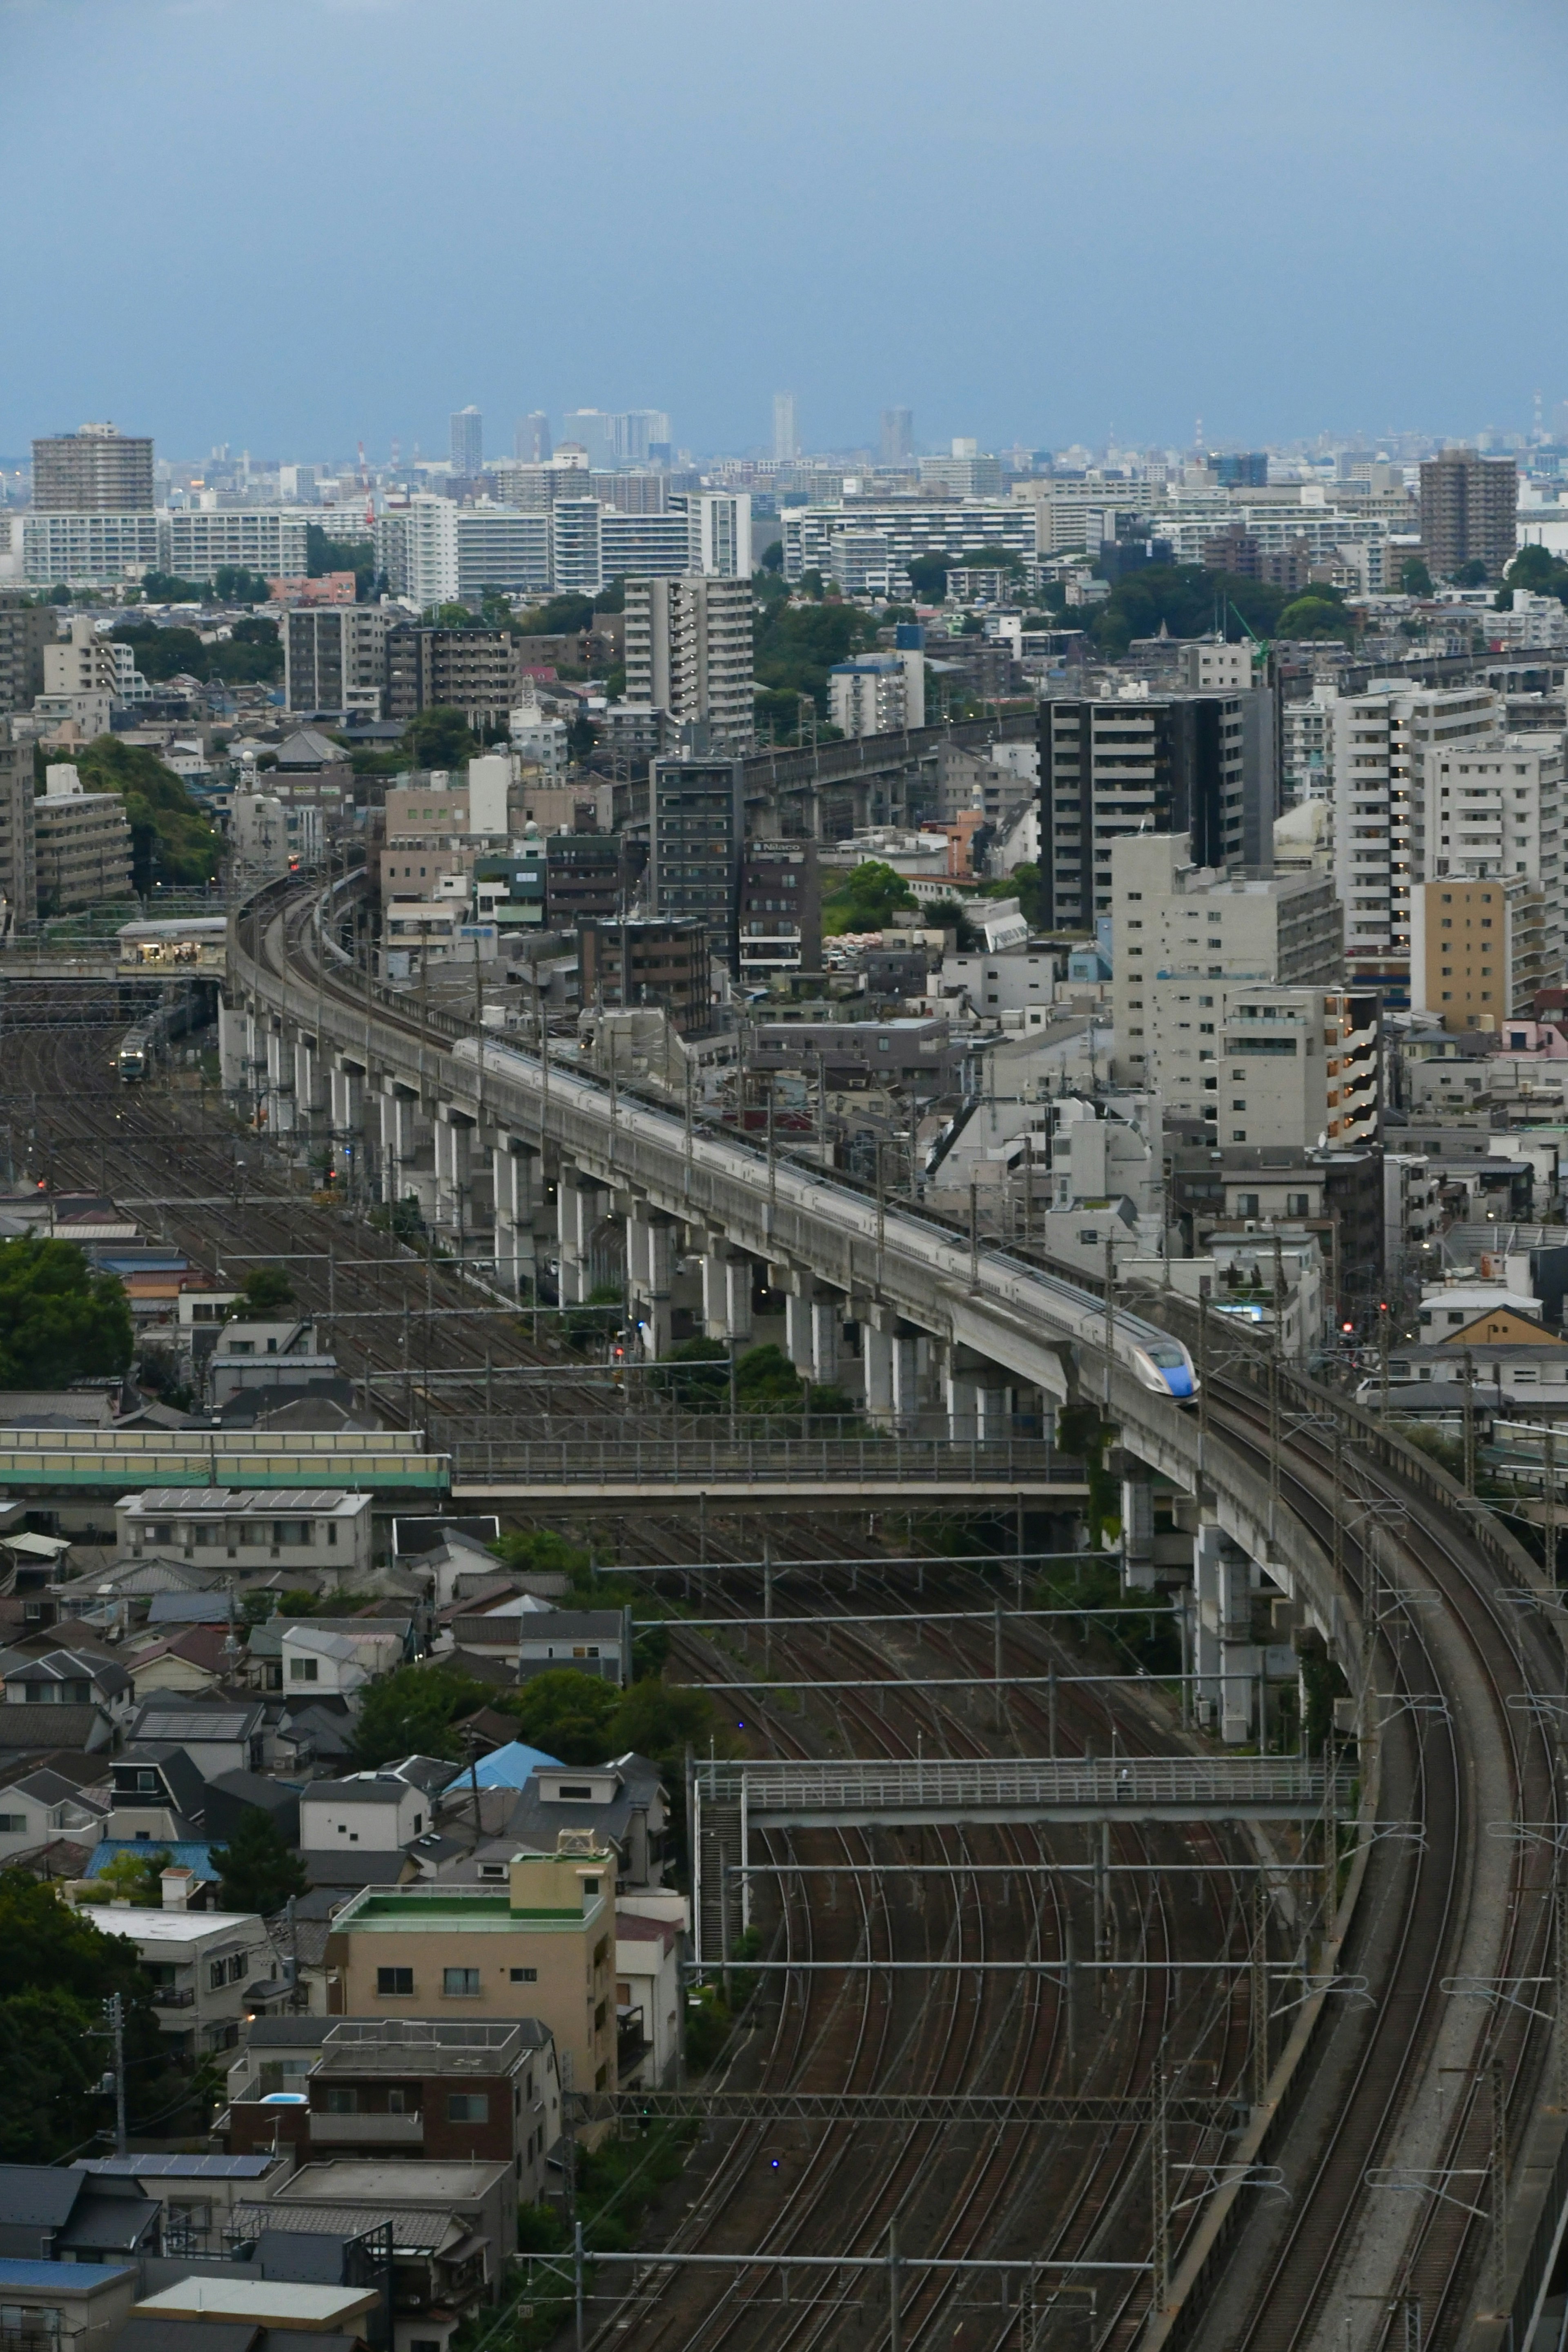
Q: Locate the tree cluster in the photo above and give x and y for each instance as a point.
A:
(251, 655)
(171, 840)
(866, 900)
(58, 1320)
(60, 1968)
(795, 645)
(324, 555)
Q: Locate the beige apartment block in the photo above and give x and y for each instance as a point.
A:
(1478, 949)
(540, 1945)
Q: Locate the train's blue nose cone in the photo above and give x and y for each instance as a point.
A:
(1179, 1381)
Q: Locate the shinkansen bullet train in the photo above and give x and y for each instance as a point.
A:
(1155, 1358)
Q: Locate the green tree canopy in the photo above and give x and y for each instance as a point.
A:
(414, 1711)
(59, 1970)
(950, 915)
(1316, 615)
(58, 1320)
(251, 655)
(265, 1289)
(236, 586)
(133, 1878)
(324, 555)
(797, 644)
(558, 617)
(567, 1714)
(1415, 580)
(163, 654)
(166, 588)
(1027, 885)
(772, 557)
(1472, 574)
(928, 577)
(867, 899)
(440, 738)
(259, 1870)
(171, 840)
(1539, 571)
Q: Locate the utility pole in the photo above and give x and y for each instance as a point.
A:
(1549, 1499)
(1109, 1316)
(114, 2022)
(1470, 1413)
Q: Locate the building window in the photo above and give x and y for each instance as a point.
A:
(467, 2107)
(340, 2102)
(304, 1670)
(525, 1976)
(394, 1984)
(460, 1984)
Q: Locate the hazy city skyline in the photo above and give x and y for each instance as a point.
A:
(1278, 250)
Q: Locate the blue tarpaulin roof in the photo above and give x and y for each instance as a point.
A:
(508, 1767)
(184, 1854)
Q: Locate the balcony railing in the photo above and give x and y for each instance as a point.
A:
(366, 2130)
(174, 1997)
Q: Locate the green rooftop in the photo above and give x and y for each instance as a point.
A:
(411, 1908)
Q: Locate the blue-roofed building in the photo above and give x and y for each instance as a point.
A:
(505, 1767)
(184, 1854)
(71, 2303)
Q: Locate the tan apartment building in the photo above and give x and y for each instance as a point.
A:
(82, 843)
(543, 1945)
(426, 838)
(1477, 949)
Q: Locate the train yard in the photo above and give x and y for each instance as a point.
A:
(1294, 2074)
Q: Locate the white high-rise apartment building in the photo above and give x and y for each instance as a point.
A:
(1306, 749)
(1179, 927)
(1380, 740)
(719, 524)
(786, 428)
(878, 693)
(689, 653)
(1493, 810)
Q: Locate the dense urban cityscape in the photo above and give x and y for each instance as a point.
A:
(784, 1210)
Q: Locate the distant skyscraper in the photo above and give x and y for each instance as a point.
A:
(96, 471)
(786, 426)
(531, 441)
(593, 429)
(468, 442)
(1468, 512)
(898, 436)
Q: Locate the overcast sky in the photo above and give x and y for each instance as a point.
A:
(289, 225)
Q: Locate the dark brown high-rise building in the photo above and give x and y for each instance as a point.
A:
(1469, 512)
(25, 630)
(95, 471)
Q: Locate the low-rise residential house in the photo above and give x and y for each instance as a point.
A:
(321, 1666)
(310, 1529)
(230, 1795)
(379, 1811)
(188, 1664)
(157, 1796)
(51, 2213)
(649, 1929)
(197, 2194)
(543, 1947)
(621, 1806)
(594, 1641)
(265, 1354)
(217, 1735)
(381, 1644)
(44, 1805)
(482, 2089)
(74, 2307)
(68, 1678)
(453, 2228)
(199, 1964)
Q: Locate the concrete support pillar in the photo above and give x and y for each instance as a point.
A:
(310, 1088)
(726, 1294)
(396, 1107)
(515, 1176)
(905, 1371)
(798, 1307)
(230, 1046)
(348, 1099)
(963, 1406)
(1226, 1661)
(827, 1333)
(279, 1084)
(877, 1359)
(577, 1210)
(1138, 1531)
(454, 1170)
(650, 1266)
